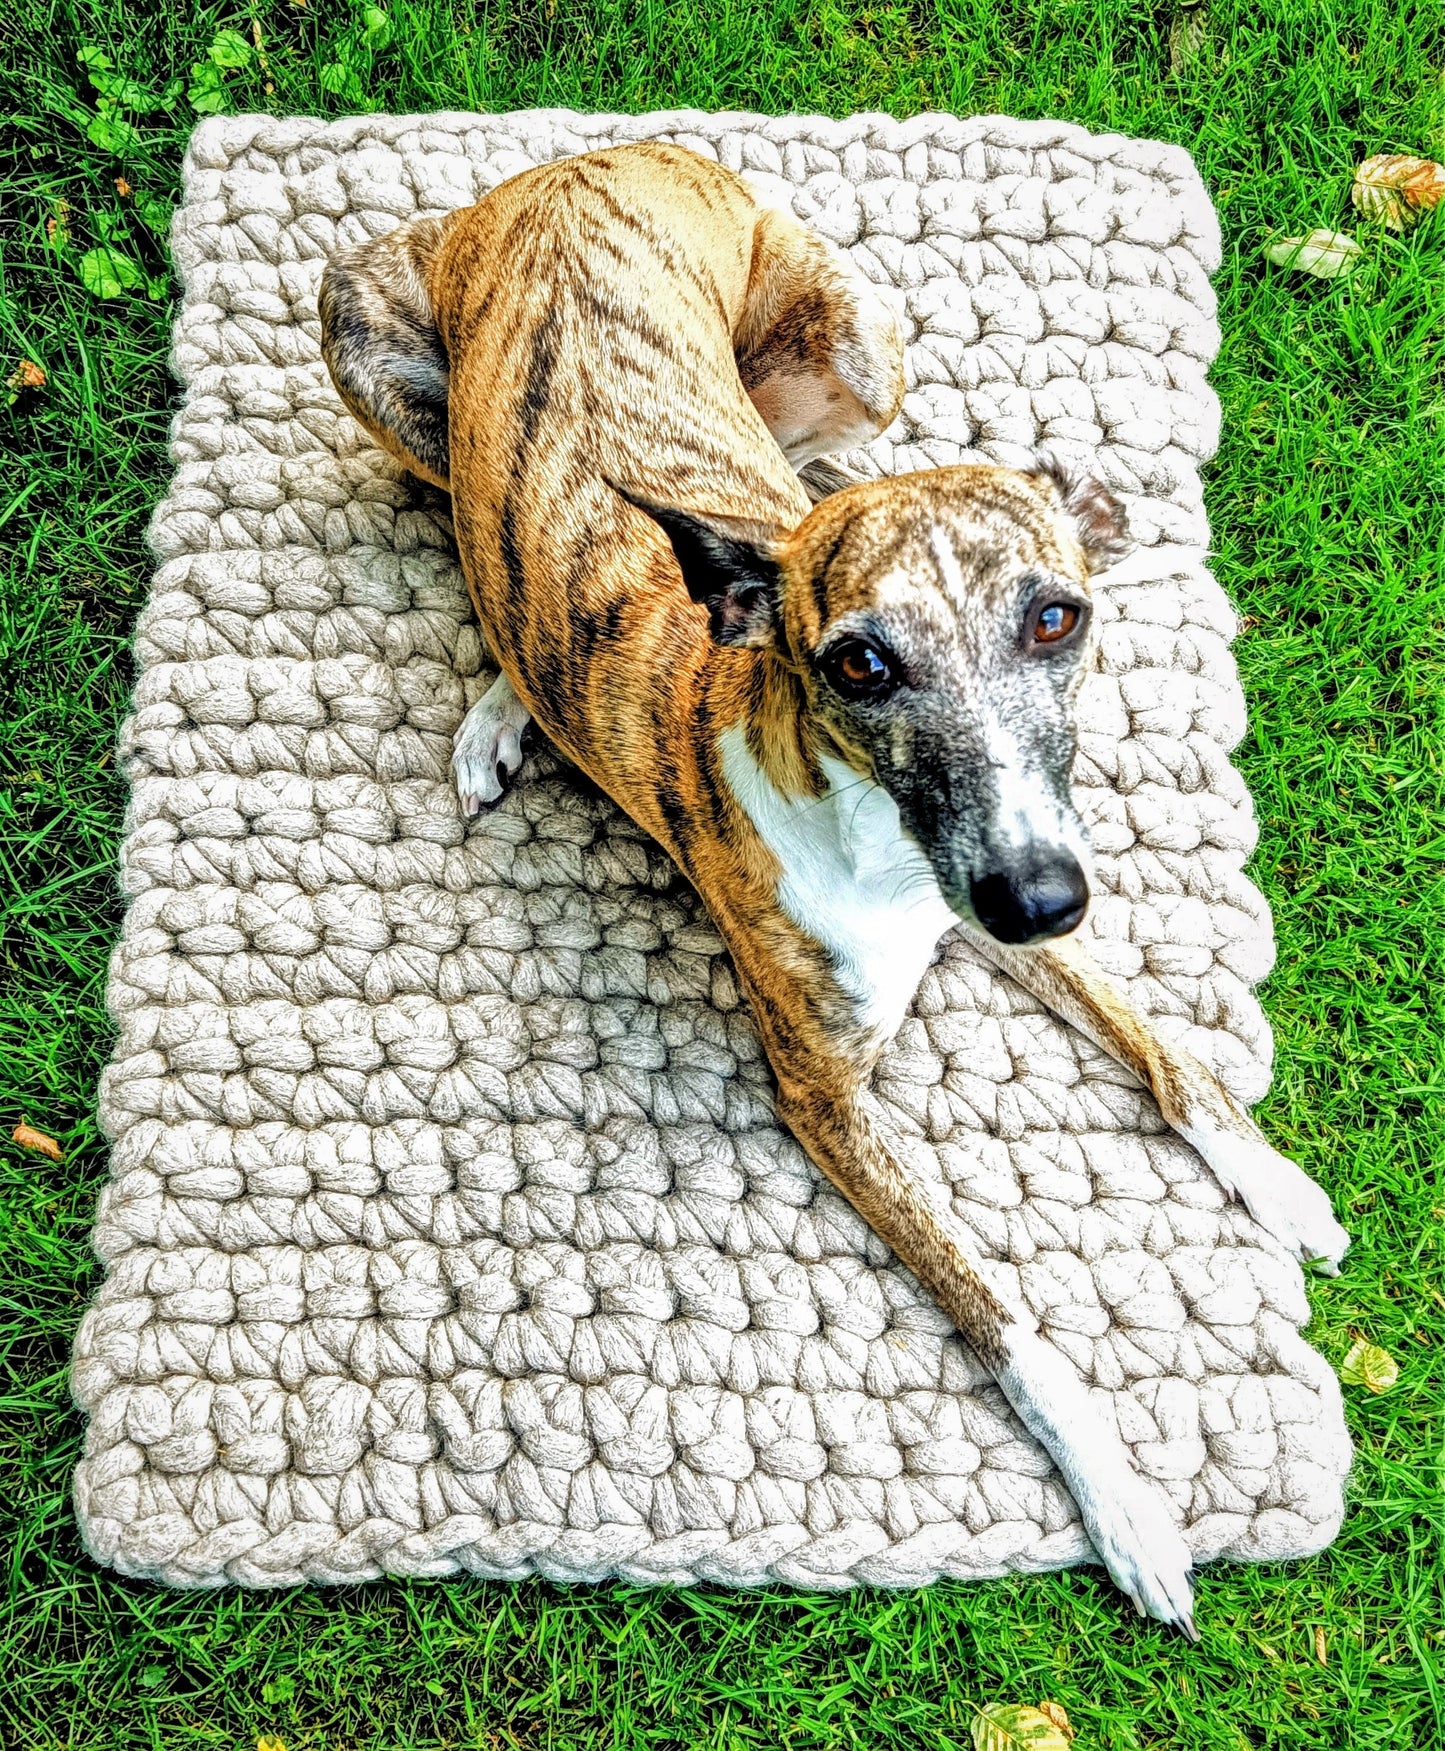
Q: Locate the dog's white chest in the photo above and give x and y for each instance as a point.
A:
(852, 879)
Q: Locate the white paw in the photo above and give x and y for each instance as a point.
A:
(1133, 1530)
(1276, 1191)
(1128, 1519)
(487, 748)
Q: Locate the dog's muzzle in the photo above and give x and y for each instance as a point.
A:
(1045, 895)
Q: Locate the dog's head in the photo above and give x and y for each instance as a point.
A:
(940, 624)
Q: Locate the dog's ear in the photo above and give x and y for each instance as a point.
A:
(1096, 515)
(380, 342)
(728, 564)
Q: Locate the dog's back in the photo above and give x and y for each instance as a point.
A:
(589, 309)
(626, 324)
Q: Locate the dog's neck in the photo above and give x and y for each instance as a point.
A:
(779, 730)
(847, 874)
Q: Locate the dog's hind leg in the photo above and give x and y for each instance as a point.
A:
(380, 342)
(1280, 1195)
(819, 351)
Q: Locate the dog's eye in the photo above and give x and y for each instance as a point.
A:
(859, 670)
(1053, 622)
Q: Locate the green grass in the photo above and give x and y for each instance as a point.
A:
(1328, 506)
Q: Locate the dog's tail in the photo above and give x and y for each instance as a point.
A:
(824, 476)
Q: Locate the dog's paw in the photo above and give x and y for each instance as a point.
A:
(487, 748)
(1136, 1537)
(1130, 1521)
(1276, 1191)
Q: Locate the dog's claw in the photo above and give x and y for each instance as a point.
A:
(482, 787)
(1138, 1541)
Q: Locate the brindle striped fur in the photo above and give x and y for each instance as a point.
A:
(628, 329)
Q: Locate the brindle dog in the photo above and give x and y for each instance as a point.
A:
(851, 724)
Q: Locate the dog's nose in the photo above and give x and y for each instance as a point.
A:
(1045, 896)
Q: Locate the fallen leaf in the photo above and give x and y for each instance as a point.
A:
(1320, 1650)
(1058, 1714)
(1366, 1364)
(26, 375)
(112, 133)
(29, 1138)
(269, 1742)
(122, 187)
(1188, 33)
(1397, 188)
(106, 273)
(1325, 254)
(1003, 1726)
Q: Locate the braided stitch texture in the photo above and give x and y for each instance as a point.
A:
(450, 1225)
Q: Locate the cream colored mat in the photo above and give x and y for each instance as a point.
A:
(450, 1226)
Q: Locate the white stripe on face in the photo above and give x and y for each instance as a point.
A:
(1025, 813)
(949, 570)
(1028, 817)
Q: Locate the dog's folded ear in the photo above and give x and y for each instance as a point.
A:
(1096, 515)
(728, 564)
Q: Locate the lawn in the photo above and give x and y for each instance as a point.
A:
(1328, 508)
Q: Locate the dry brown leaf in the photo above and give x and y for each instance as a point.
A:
(1366, 1364)
(1188, 32)
(26, 375)
(122, 187)
(1320, 1649)
(29, 1138)
(1326, 254)
(1398, 188)
(1007, 1726)
(1059, 1715)
(57, 227)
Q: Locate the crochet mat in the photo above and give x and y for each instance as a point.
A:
(450, 1226)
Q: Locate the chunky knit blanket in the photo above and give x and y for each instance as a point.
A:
(450, 1226)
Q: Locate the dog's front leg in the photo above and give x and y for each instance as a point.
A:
(1128, 1521)
(1280, 1196)
(824, 1100)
